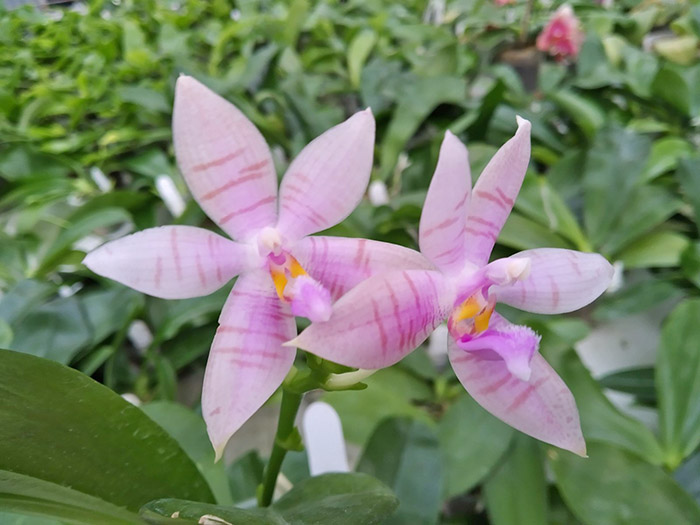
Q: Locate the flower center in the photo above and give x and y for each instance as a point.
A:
(472, 316)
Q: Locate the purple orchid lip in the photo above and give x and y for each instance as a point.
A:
(380, 321)
(229, 170)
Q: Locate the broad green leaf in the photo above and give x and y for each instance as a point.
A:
(678, 382)
(688, 475)
(471, 442)
(37, 497)
(613, 487)
(338, 499)
(687, 176)
(584, 111)
(638, 295)
(522, 233)
(636, 381)
(22, 298)
(660, 249)
(403, 453)
(86, 437)
(665, 156)
(600, 420)
(517, 490)
(358, 51)
(244, 475)
(614, 166)
(190, 431)
(390, 392)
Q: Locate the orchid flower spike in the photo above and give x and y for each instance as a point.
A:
(381, 320)
(562, 37)
(282, 271)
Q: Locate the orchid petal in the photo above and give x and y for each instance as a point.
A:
(443, 221)
(247, 361)
(559, 281)
(381, 320)
(542, 407)
(172, 262)
(224, 159)
(341, 263)
(326, 181)
(495, 192)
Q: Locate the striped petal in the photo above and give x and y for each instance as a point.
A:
(495, 192)
(328, 178)
(443, 221)
(341, 263)
(559, 281)
(381, 320)
(542, 407)
(247, 362)
(224, 159)
(172, 262)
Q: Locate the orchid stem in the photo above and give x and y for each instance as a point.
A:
(285, 429)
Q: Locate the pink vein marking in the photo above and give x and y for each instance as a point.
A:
(451, 251)
(496, 385)
(244, 351)
(481, 233)
(303, 178)
(505, 197)
(228, 329)
(254, 167)
(266, 200)
(248, 364)
(176, 253)
(360, 251)
(574, 263)
(555, 291)
(525, 394)
(397, 313)
(200, 270)
(314, 216)
(479, 220)
(216, 411)
(414, 290)
(218, 162)
(444, 224)
(159, 271)
(211, 241)
(231, 184)
(462, 201)
(491, 197)
(380, 326)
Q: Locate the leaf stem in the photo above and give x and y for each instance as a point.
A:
(285, 431)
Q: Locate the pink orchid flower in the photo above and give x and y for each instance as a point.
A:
(381, 320)
(283, 272)
(562, 37)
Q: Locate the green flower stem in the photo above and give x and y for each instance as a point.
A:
(285, 431)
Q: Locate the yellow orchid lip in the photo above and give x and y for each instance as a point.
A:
(282, 273)
(477, 310)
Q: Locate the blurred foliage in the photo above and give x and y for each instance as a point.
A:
(85, 152)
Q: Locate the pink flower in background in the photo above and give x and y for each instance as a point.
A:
(562, 37)
(384, 318)
(283, 272)
(503, 2)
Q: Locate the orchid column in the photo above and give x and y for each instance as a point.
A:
(381, 320)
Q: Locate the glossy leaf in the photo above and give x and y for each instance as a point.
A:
(612, 487)
(471, 443)
(86, 437)
(403, 453)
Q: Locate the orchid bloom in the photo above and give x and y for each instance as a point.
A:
(562, 37)
(283, 272)
(381, 320)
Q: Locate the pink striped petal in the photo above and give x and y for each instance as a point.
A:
(495, 192)
(224, 160)
(443, 221)
(542, 407)
(559, 281)
(381, 320)
(172, 262)
(341, 263)
(328, 178)
(247, 362)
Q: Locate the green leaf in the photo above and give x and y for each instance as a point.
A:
(636, 381)
(471, 442)
(522, 233)
(86, 437)
(517, 491)
(687, 175)
(403, 453)
(660, 249)
(585, 112)
(678, 382)
(244, 475)
(358, 51)
(190, 431)
(637, 295)
(600, 420)
(614, 166)
(37, 497)
(665, 155)
(613, 487)
(338, 499)
(390, 392)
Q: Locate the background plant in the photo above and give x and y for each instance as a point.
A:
(85, 156)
